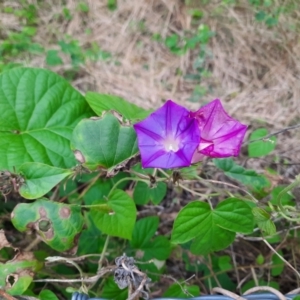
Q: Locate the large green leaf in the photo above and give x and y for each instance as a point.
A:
(212, 230)
(119, 220)
(40, 179)
(104, 143)
(245, 176)
(213, 239)
(56, 223)
(39, 111)
(103, 102)
(261, 147)
(234, 215)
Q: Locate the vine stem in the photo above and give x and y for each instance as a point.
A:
(103, 254)
(121, 180)
(273, 134)
(181, 185)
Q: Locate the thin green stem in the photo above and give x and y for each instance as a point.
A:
(124, 179)
(103, 254)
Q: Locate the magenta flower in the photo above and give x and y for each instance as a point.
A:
(167, 138)
(221, 135)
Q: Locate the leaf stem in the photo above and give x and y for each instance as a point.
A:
(125, 179)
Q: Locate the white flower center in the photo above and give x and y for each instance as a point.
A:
(171, 144)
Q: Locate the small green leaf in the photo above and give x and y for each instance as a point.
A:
(183, 291)
(261, 148)
(104, 143)
(261, 282)
(279, 264)
(260, 16)
(47, 295)
(260, 259)
(159, 248)
(53, 59)
(102, 102)
(39, 112)
(56, 223)
(144, 230)
(120, 221)
(143, 193)
(190, 219)
(245, 176)
(263, 220)
(112, 291)
(40, 179)
(224, 263)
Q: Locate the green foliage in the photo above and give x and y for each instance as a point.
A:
(112, 291)
(180, 45)
(263, 220)
(47, 295)
(102, 102)
(261, 148)
(116, 215)
(40, 179)
(38, 118)
(278, 264)
(104, 143)
(57, 224)
(146, 244)
(212, 230)
(183, 291)
(143, 193)
(53, 58)
(247, 177)
(46, 124)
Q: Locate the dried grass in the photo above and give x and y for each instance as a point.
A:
(255, 69)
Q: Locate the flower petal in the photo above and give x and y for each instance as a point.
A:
(221, 135)
(167, 138)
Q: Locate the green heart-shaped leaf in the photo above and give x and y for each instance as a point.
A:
(143, 193)
(56, 223)
(39, 111)
(120, 220)
(104, 143)
(40, 179)
(212, 230)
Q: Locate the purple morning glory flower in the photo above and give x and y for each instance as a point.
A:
(221, 135)
(168, 138)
